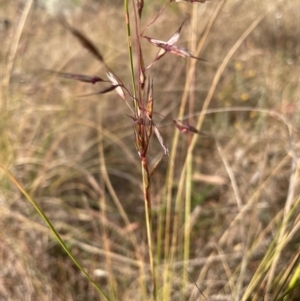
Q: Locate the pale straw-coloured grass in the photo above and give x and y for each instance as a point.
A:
(228, 200)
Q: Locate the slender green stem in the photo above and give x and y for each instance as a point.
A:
(128, 31)
(187, 219)
(295, 279)
(189, 169)
(148, 215)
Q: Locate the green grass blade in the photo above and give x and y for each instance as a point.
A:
(42, 214)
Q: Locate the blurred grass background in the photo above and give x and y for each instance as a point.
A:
(75, 156)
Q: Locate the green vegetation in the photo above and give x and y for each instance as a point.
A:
(187, 189)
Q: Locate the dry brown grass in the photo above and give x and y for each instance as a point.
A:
(245, 179)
